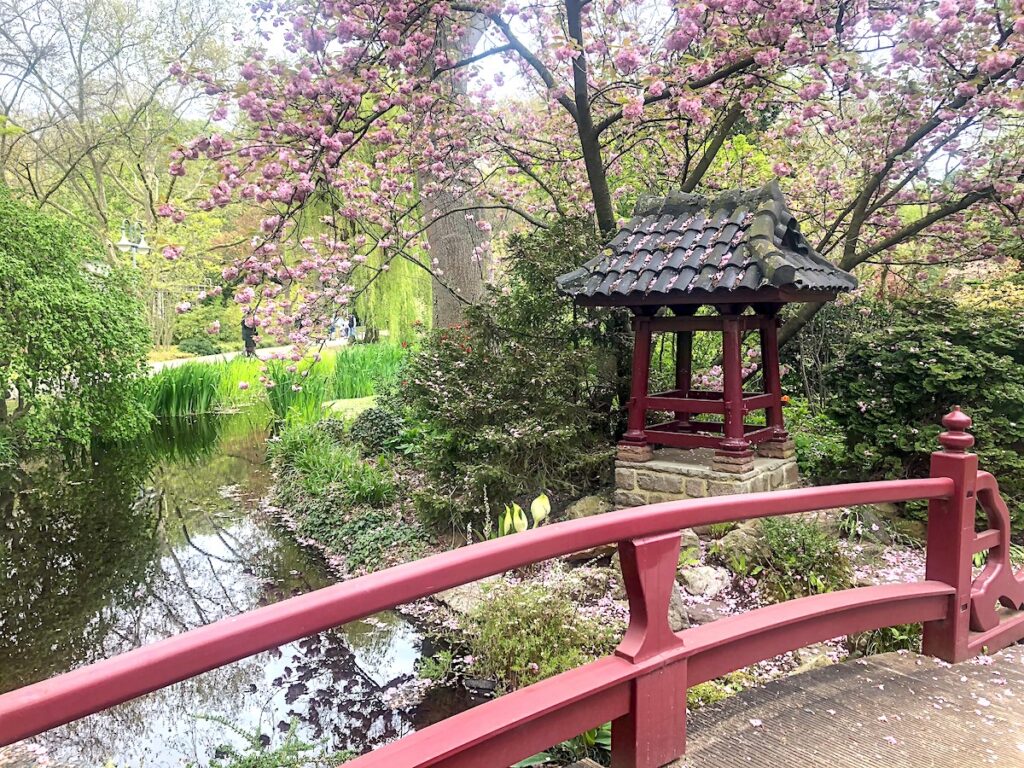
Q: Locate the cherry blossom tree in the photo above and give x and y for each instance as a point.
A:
(893, 125)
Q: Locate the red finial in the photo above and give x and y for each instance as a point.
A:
(957, 439)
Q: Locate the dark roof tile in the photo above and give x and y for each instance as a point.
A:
(684, 243)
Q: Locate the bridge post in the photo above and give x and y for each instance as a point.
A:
(654, 732)
(951, 538)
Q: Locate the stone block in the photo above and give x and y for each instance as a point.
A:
(588, 506)
(725, 487)
(736, 465)
(625, 479)
(653, 497)
(625, 499)
(634, 452)
(791, 474)
(660, 481)
(696, 488)
(783, 449)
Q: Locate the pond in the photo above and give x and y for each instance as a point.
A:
(149, 540)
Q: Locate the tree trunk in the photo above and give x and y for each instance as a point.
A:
(459, 277)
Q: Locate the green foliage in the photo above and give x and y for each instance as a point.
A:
(339, 498)
(438, 668)
(325, 466)
(595, 744)
(199, 346)
(396, 301)
(72, 336)
(518, 398)
(528, 632)
(293, 395)
(291, 752)
(713, 691)
(377, 429)
(901, 376)
(184, 390)
(360, 368)
(903, 637)
(820, 441)
(195, 323)
(297, 392)
(799, 558)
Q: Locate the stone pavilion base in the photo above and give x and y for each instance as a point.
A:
(674, 474)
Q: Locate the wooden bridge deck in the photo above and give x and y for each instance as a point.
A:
(891, 711)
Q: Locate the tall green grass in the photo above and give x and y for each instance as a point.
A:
(185, 390)
(358, 369)
(299, 394)
(198, 388)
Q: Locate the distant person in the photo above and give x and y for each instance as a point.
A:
(352, 328)
(249, 339)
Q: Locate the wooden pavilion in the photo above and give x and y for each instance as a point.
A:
(740, 253)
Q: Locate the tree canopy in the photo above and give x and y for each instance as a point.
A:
(73, 338)
(890, 124)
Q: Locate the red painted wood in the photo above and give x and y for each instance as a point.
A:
(951, 539)
(997, 594)
(35, 708)
(986, 540)
(734, 441)
(772, 376)
(683, 405)
(653, 733)
(684, 369)
(637, 415)
(667, 434)
(517, 725)
(649, 573)
(731, 643)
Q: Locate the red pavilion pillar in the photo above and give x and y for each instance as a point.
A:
(733, 453)
(634, 445)
(780, 446)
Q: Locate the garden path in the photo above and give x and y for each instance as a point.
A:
(896, 710)
(223, 357)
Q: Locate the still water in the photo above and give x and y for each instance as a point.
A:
(146, 541)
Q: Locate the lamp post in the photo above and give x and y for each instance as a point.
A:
(133, 240)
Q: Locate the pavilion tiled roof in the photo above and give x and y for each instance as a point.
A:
(690, 244)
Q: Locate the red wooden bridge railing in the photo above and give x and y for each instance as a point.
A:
(641, 688)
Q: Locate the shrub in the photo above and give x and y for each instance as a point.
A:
(528, 632)
(820, 441)
(73, 337)
(518, 399)
(326, 467)
(199, 346)
(898, 380)
(798, 558)
(377, 429)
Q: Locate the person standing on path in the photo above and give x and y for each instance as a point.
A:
(248, 338)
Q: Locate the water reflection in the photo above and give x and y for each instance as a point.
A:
(145, 543)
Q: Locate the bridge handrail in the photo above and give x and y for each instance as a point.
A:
(640, 686)
(30, 710)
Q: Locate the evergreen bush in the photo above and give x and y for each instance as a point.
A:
(898, 378)
(523, 397)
